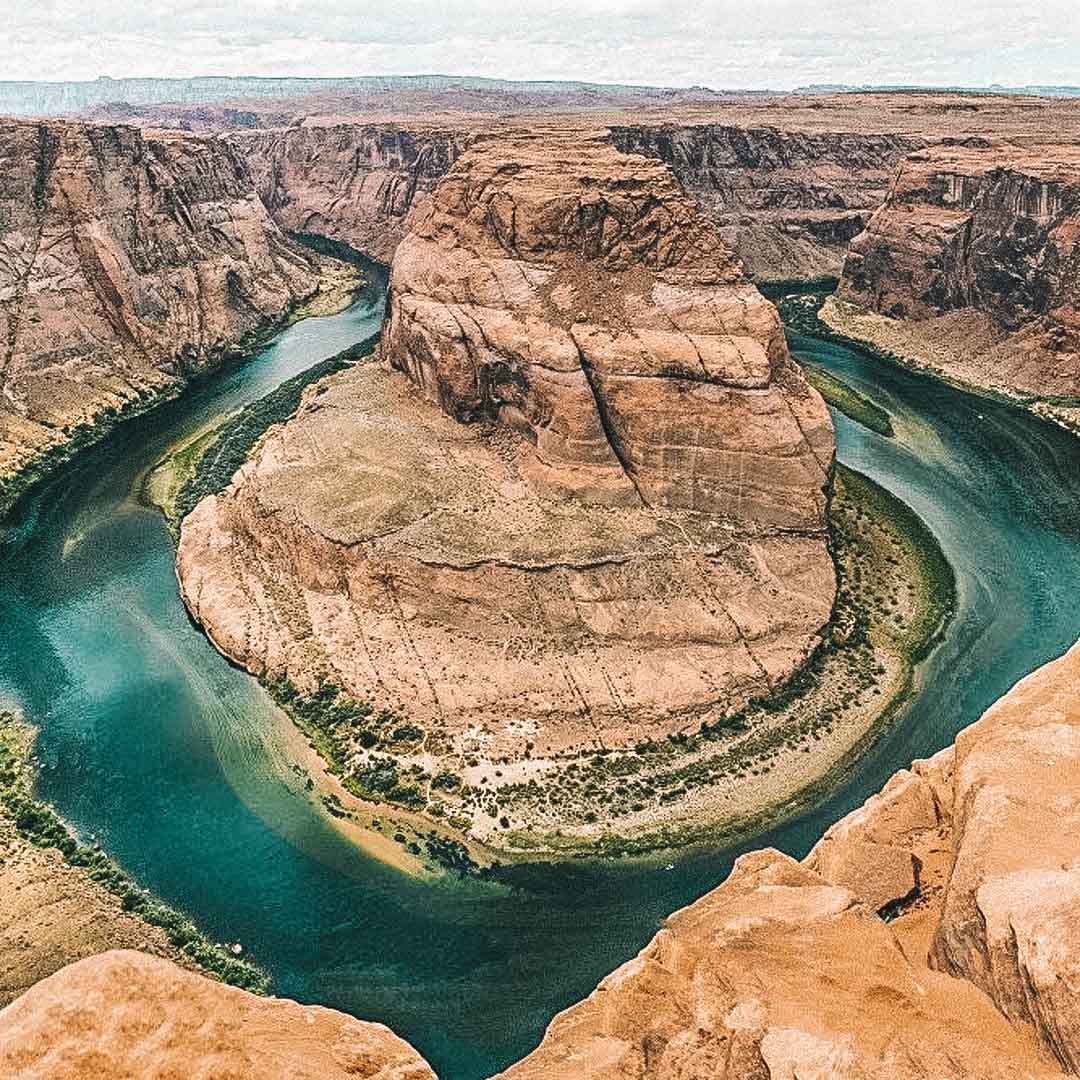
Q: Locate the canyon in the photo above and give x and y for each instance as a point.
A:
(577, 506)
(970, 267)
(604, 518)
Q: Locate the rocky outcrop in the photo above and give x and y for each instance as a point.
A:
(790, 970)
(124, 1014)
(127, 263)
(1012, 906)
(574, 294)
(788, 202)
(779, 973)
(351, 182)
(972, 262)
(603, 517)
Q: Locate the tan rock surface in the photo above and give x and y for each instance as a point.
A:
(971, 266)
(128, 261)
(785, 970)
(624, 539)
(52, 914)
(778, 973)
(575, 294)
(433, 579)
(125, 1015)
(1011, 914)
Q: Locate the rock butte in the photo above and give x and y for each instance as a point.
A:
(625, 536)
(932, 932)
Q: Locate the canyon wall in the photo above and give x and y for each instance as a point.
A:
(971, 266)
(787, 202)
(352, 182)
(932, 932)
(603, 519)
(128, 262)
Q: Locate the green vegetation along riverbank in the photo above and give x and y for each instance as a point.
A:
(28, 819)
(849, 401)
(711, 785)
(205, 464)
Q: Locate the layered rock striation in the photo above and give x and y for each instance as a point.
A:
(587, 508)
(128, 261)
(351, 182)
(787, 201)
(971, 266)
(573, 293)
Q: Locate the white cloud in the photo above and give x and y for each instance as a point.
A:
(774, 43)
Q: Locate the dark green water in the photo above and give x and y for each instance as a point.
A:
(173, 758)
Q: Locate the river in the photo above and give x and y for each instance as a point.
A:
(176, 761)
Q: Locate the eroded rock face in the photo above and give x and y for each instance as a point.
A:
(351, 182)
(1011, 912)
(574, 293)
(975, 250)
(127, 262)
(125, 1014)
(434, 579)
(779, 973)
(788, 202)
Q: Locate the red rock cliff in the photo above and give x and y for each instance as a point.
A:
(127, 262)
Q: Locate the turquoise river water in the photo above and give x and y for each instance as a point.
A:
(175, 760)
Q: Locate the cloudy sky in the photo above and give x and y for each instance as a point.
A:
(717, 43)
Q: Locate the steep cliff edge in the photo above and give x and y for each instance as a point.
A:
(788, 202)
(351, 182)
(603, 520)
(971, 267)
(881, 957)
(128, 262)
(883, 954)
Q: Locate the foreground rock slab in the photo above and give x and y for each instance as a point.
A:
(123, 1015)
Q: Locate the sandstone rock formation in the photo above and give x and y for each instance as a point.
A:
(128, 261)
(123, 1015)
(787, 970)
(787, 202)
(574, 293)
(351, 182)
(973, 262)
(602, 518)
